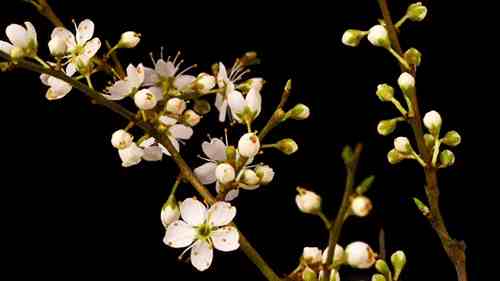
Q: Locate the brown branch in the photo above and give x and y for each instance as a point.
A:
(453, 248)
(45, 10)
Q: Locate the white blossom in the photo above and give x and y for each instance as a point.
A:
(121, 139)
(176, 106)
(57, 87)
(201, 230)
(145, 99)
(215, 150)
(433, 121)
(378, 36)
(311, 255)
(131, 155)
(245, 109)
(225, 173)
(23, 40)
(360, 255)
(123, 88)
(361, 206)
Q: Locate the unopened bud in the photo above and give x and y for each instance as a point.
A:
(249, 145)
(129, 39)
(378, 36)
(433, 121)
(385, 92)
(394, 157)
(413, 56)
(398, 260)
(446, 158)
(452, 138)
(429, 140)
(378, 277)
(361, 206)
(265, 173)
(250, 177)
(416, 12)
(121, 139)
(225, 173)
(338, 255)
(287, 146)
(169, 212)
(298, 112)
(204, 83)
(176, 106)
(422, 207)
(386, 127)
(191, 118)
(352, 37)
(360, 255)
(402, 145)
(406, 82)
(382, 267)
(311, 255)
(57, 46)
(145, 99)
(307, 201)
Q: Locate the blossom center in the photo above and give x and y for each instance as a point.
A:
(204, 231)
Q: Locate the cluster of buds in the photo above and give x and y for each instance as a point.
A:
(313, 260)
(398, 261)
(445, 158)
(378, 35)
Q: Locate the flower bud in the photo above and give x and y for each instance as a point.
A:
(265, 173)
(422, 207)
(308, 201)
(57, 46)
(249, 145)
(145, 99)
(452, 138)
(191, 118)
(225, 173)
(170, 212)
(352, 37)
(176, 106)
(433, 121)
(204, 83)
(378, 36)
(382, 267)
(131, 155)
(311, 255)
(378, 277)
(201, 106)
(121, 139)
(338, 255)
(394, 156)
(129, 40)
(385, 92)
(402, 145)
(386, 127)
(309, 275)
(406, 82)
(299, 112)
(398, 260)
(287, 146)
(413, 56)
(250, 177)
(361, 206)
(446, 158)
(416, 12)
(429, 140)
(359, 255)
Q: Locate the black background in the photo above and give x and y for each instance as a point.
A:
(72, 211)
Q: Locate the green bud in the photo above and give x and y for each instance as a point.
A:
(347, 154)
(452, 138)
(201, 107)
(406, 82)
(398, 260)
(288, 86)
(416, 12)
(365, 185)
(309, 275)
(352, 37)
(298, 112)
(413, 56)
(421, 206)
(386, 127)
(287, 146)
(378, 277)
(446, 158)
(382, 267)
(394, 157)
(385, 92)
(429, 140)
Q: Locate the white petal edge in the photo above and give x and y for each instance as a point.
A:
(215, 149)
(206, 173)
(179, 235)
(221, 213)
(193, 211)
(202, 255)
(226, 239)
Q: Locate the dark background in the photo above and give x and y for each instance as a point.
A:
(71, 211)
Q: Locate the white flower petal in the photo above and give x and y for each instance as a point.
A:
(179, 235)
(135, 75)
(165, 69)
(254, 101)
(6, 47)
(236, 102)
(249, 187)
(152, 153)
(232, 194)
(168, 121)
(90, 50)
(193, 211)
(217, 187)
(226, 239)
(221, 213)
(45, 79)
(18, 35)
(174, 142)
(59, 86)
(119, 90)
(202, 255)
(222, 76)
(70, 69)
(31, 32)
(222, 110)
(150, 77)
(206, 173)
(180, 131)
(215, 149)
(66, 36)
(157, 92)
(84, 32)
(148, 142)
(182, 81)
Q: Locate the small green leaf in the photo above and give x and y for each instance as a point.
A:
(347, 154)
(365, 185)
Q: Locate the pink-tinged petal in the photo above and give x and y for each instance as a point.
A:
(45, 79)
(254, 101)
(168, 121)
(118, 91)
(148, 142)
(6, 47)
(221, 213)
(152, 153)
(157, 92)
(66, 36)
(179, 235)
(17, 35)
(165, 69)
(90, 50)
(59, 86)
(232, 194)
(183, 81)
(222, 76)
(226, 239)
(150, 77)
(70, 69)
(31, 32)
(193, 211)
(206, 173)
(180, 131)
(202, 255)
(84, 32)
(215, 149)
